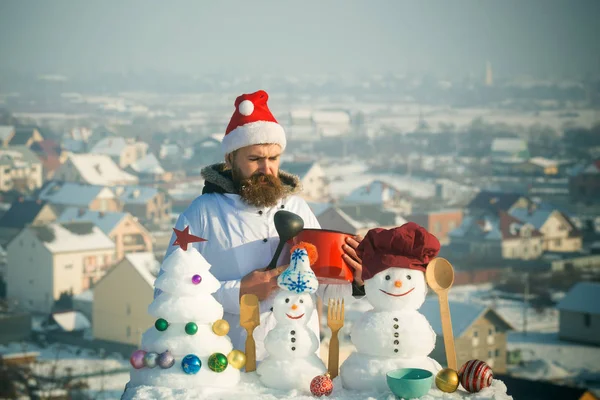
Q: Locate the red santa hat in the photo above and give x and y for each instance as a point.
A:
(252, 123)
(408, 246)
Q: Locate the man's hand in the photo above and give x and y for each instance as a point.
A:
(261, 282)
(352, 259)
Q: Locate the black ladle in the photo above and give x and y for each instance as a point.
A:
(288, 225)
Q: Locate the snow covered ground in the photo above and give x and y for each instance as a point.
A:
(250, 389)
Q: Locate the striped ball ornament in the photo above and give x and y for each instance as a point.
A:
(475, 375)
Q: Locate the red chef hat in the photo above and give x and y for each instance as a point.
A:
(407, 246)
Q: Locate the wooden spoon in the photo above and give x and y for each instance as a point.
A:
(249, 320)
(440, 277)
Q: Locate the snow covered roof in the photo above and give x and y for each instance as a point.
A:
(462, 314)
(508, 145)
(147, 165)
(544, 162)
(18, 156)
(145, 264)
(73, 194)
(593, 168)
(299, 168)
(100, 169)
(71, 237)
(70, 321)
(135, 194)
(584, 297)
(6, 131)
(376, 192)
(112, 146)
(106, 221)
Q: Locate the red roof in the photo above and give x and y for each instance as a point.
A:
(507, 220)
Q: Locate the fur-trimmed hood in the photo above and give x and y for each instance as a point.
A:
(218, 179)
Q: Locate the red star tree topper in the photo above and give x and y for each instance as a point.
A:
(184, 238)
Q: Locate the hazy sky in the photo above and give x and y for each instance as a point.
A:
(454, 36)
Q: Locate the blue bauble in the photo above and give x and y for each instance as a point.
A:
(191, 364)
(150, 359)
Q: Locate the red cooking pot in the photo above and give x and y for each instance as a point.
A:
(330, 267)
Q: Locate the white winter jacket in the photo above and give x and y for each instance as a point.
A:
(240, 239)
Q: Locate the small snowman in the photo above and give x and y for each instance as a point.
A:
(292, 362)
(394, 334)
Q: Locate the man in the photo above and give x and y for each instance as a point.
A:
(235, 216)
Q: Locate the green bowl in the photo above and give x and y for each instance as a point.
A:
(409, 383)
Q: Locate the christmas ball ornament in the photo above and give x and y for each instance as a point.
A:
(191, 364)
(321, 385)
(220, 327)
(237, 359)
(137, 359)
(217, 362)
(475, 375)
(191, 328)
(196, 279)
(165, 360)
(161, 324)
(447, 380)
(150, 359)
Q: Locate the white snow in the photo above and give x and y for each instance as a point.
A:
(250, 388)
(71, 321)
(100, 169)
(145, 264)
(67, 241)
(148, 165)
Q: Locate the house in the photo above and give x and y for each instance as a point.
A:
(149, 204)
(16, 327)
(24, 212)
(50, 154)
(148, 170)
(83, 302)
(312, 177)
(559, 233)
(439, 223)
(67, 194)
(93, 169)
(125, 317)
(45, 261)
(579, 314)
(122, 151)
(382, 194)
(20, 169)
(337, 220)
(207, 151)
(496, 237)
(372, 212)
(76, 140)
(454, 193)
(584, 183)
(25, 136)
(6, 134)
(541, 166)
(487, 201)
(125, 231)
(479, 333)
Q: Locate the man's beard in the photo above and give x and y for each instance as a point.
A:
(259, 190)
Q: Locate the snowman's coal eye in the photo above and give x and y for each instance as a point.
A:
(408, 277)
(287, 300)
(301, 301)
(387, 277)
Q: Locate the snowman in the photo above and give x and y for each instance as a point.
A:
(394, 334)
(292, 361)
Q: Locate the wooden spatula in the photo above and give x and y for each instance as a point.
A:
(249, 320)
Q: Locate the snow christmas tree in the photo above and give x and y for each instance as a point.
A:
(188, 346)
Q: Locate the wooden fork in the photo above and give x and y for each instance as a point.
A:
(335, 321)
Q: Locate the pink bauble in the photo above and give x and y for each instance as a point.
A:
(475, 375)
(321, 385)
(137, 359)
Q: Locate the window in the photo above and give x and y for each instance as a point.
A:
(69, 266)
(128, 331)
(475, 334)
(128, 310)
(587, 320)
(31, 281)
(497, 353)
(33, 245)
(491, 331)
(21, 242)
(490, 354)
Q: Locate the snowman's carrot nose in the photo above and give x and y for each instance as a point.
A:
(398, 283)
(294, 306)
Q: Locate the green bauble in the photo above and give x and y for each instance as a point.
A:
(161, 324)
(217, 362)
(191, 328)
